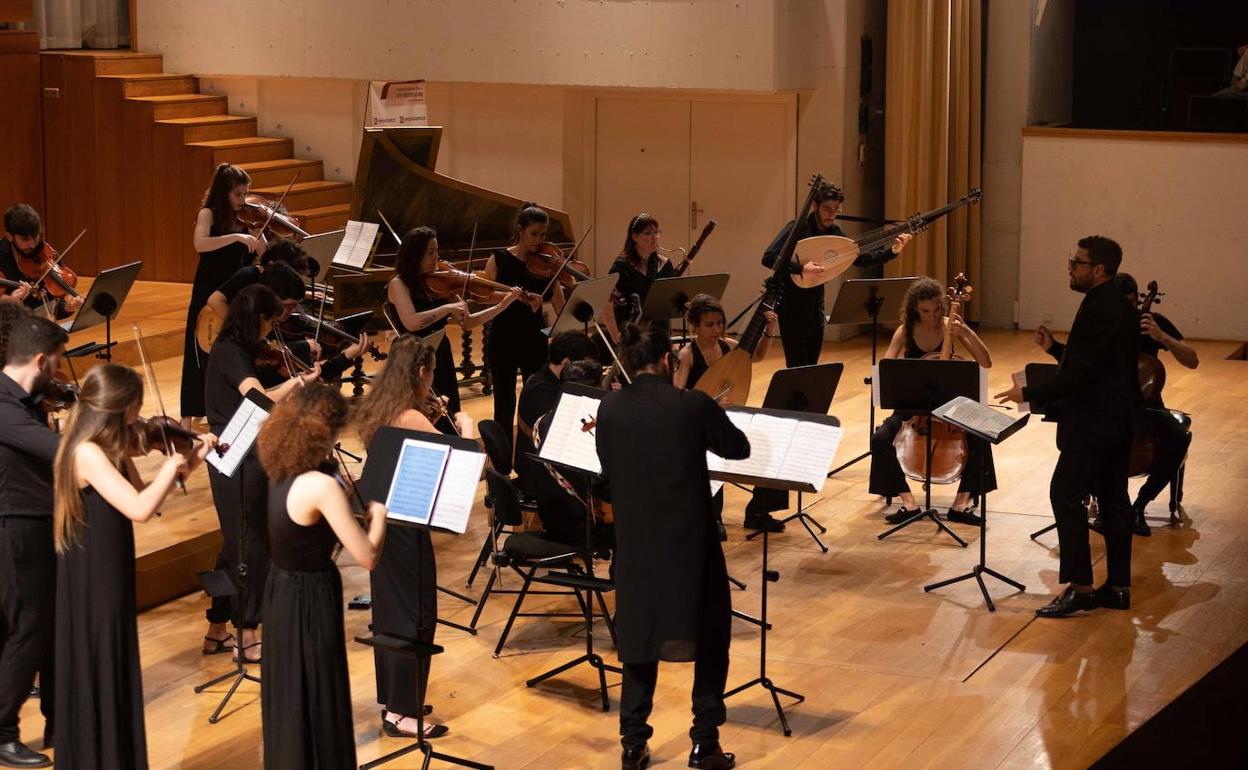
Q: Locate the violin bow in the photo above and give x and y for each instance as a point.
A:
(433, 393)
(54, 262)
(280, 201)
(567, 260)
(348, 479)
(472, 245)
(155, 388)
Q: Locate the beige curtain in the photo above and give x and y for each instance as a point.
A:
(83, 23)
(932, 130)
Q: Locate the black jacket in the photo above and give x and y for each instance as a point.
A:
(1096, 386)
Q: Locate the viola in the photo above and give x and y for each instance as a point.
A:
(260, 213)
(949, 449)
(46, 269)
(59, 394)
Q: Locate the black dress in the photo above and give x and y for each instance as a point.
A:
(696, 370)
(215, 268)
(634, 285)
(306, 697)
(444, 380)
(514, 340)
(99, 685)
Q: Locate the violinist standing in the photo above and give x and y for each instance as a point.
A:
(1100, 409)
(224, 245)
(419, 311)
(515, 342)
(671, 580)
(27, 559)
(22, 239)
(639, 265)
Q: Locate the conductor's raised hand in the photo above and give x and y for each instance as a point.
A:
(1043, 337)
(1014, 394)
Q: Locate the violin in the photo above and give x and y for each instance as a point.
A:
(550, 263)
(260, 213)
(949, 449)
(152, 432)
(59, 394)
(279, 360)
(46, 269)
(335, 339)
(451, 283)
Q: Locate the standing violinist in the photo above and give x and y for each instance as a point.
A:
(224, 245)
(419, 311)
(639, 265)
(922, 332)
(514, 341)
(1157, 333)
(22, 242)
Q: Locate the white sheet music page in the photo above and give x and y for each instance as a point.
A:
(1020, 379)
(810, 453)
(769, 443)
(567, 440)
(417, 479)
(357, 244)
(716, 463)
(240, 433)
(458, 490)
(977, 417)
(983, 386)
(875, 386)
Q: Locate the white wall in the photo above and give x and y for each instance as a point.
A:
(1175, 207)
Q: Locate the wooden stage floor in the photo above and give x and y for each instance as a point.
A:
(893, 676)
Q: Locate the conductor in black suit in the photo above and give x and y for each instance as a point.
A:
(1097, 395)
(671, 582)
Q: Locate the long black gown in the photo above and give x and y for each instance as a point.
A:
(405, 604)
(306, 698)
(215, 268)
(99, 686)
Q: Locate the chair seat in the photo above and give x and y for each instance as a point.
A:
(535, 545)
(583, 582)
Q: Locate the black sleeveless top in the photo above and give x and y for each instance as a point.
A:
(699, 366)
(293, 547)
(422, 304)
(518, 321)
(914, 351)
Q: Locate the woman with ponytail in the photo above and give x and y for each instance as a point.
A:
(99, 688)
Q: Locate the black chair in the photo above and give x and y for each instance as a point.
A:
(498, 449)
(526, 552)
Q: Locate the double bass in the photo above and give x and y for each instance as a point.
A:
(949, 449)
(1152, 377)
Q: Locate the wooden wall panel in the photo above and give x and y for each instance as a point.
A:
(17, 10)
(138, 184)
(21, 131)
(110, 158)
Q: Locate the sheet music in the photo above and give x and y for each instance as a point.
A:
(810, 453)
(875, 386)
(769, 442)
(716, 463)
(357, 244)
(417, 476)
(240, 433)
(1020, 379)
(977, 417)
(458, 490)
(566, 441)
(983, 385)
(716, 485)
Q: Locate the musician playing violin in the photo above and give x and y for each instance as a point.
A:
(514, 341)
(922, 331)
(23, 232)
(224, 245)
(1157, 333)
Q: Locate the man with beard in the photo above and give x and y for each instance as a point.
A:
(1099, 409)
(27, 560)
(22, 231)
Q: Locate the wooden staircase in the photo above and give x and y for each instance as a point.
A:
(137, 148)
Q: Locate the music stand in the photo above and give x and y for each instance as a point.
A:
(587, 300)
(862, 301)
(982, 567)
(808, 389)
(915, 387)
(101, 305)
(669, 297)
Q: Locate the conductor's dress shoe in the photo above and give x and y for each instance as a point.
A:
(1113, 598)
(16, 754)
(635, 759)
(709, 756)
(1068, 603)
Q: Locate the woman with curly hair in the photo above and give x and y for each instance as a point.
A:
(306, 698)
(405, 582)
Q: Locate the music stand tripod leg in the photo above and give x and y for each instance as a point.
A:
(806, 520)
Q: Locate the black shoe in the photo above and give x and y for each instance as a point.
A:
(392, 730)
(1140, 525)
(709, 756)
(723, 533)
(964, 517)
(901, 514)
(761, 521)
(1113, 598)
(635, 759)
(1068, 603)
(16, 754)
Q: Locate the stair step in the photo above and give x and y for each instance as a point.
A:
(309, 195)
(248, 149)
(323, 219)
(128, 63)
(268, 173)
(166, 106)
(207, 128)
(155, 83)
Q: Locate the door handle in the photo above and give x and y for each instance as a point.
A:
(693, 214)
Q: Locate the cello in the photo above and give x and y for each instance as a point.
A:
(949, 449)
(1152, 377)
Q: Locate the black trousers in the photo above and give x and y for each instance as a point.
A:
(1086, 469)
(27, 619)
(506, 357)
(888, 480)
(802, 340)
(247, 491)
(1172, 443)
(710, 675)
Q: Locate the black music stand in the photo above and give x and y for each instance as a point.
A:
(981, 568)
(862, 301)
(916, 387)
(587, 299)
(807, 389)
(669, 297)
(101, 305)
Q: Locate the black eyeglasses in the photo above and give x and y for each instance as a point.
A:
(1072, 262)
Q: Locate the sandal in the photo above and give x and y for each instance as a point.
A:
(248, 647)
(219, 645)
(393, 730)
